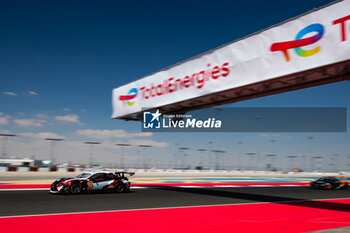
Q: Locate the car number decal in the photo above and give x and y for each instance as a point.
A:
(90, 185)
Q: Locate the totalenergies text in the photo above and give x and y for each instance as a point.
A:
(195, 80)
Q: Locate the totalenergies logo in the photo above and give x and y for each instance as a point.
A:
(300, 41)
(130, 96)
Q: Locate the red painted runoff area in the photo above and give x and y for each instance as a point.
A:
(284, 217)
(24, 186)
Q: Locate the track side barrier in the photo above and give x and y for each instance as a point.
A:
(11, 169)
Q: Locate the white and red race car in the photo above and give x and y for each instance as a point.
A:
(93, 181)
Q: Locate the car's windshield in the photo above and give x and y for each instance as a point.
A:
(84, 175)
(327, 179)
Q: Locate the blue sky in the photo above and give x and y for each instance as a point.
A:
(60, 60)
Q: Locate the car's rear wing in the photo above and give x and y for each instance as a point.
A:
(123, 174)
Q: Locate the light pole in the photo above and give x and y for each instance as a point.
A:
(52, 148)
(250, 154)
(304, 162)
(319, 162)
(311, 138)
(210, 143)
(122, 145)
(272, 151)
(91, 157)
(4, 143)
(272, 156)
(217, 154)
(291, 160)
(201, 157)
(335, 161)
(258, 152)
(240, 157)
(144, 147)
(183, 149)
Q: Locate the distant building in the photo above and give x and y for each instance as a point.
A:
(17, 162)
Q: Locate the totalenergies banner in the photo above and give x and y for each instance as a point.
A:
(313, 40)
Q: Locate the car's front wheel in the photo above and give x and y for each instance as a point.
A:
(66, 190)
(119, 187)
(75, 188)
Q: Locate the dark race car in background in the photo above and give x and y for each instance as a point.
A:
(330, 182)
(105, 181)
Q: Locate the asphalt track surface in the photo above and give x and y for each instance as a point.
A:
(31, 202)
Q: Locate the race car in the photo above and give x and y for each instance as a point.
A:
(86, 182)
(330, 182)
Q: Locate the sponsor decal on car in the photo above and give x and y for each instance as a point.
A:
(90, 185)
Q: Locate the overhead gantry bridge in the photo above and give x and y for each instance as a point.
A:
(309, 50)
